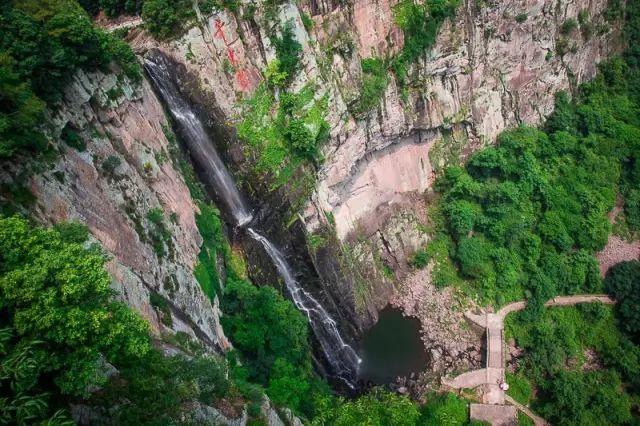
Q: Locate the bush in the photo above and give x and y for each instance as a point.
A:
(306, 21)
(166, 18)
(374, 85)
(41, 45)
(272, 335)
(444, 409)
(158, 232)
(521, 17)
(288, 51)
(623, 283)
(110, 165)
(73, 139)
(420, 259)
(419, 23)
(378, 407)
(57, 320)
(568, 26)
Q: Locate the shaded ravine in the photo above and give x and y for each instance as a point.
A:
(343, 360)
(198, 143)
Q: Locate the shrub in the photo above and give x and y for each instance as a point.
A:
(420, 259)
(110, 165)
(623, 283)
(306, 21)
(162, 306)
(374, 85)
(166, 18)
(568, 26)
(159, 234)
(444, 409)
(57, 320)
(288, 51)
(378, 407)
(73, 139)
(521, 17)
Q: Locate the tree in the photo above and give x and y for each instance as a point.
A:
(623, 283)
(378, 407)
(272, 335)
(59, 323)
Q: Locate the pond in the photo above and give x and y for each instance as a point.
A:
(392, 348)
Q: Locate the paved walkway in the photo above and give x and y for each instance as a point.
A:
(492, 375)
(127, 23)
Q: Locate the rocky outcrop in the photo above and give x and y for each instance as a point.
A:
(125, 172)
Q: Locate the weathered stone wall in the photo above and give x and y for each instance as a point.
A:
(121, 120)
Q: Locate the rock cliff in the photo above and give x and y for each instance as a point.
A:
(126, 171)
(496, 64)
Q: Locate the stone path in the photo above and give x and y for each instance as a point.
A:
(490, 377)
(128, 23)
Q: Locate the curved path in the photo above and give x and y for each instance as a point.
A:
(492, 375)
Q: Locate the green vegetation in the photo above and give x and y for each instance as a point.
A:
(526, 216)
(374, 84)
(283, 134)
(378, 407)
(568, 26)
(273, 336)
(307, 21)
(110, 164)
(159, 233)
(521, 17)
(112, 7)
(214, 244)
(583, 368)
(623, 283)
(519, 388)
(41, 44)
(419, 22)
(166, 18)
(288, 51)
(57, 320)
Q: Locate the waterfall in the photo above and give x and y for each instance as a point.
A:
(199, 145)
(342, 358)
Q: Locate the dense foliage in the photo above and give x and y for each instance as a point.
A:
(283, 134)
(374, 84)
(41, 44)
(523, 218)
(419, 22)
(112, 7)
(273, 336)
(583, 367)
(57, 320)
(63, 339)
(623, 283)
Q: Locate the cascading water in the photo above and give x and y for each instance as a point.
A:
(195, 137)
(342, 358)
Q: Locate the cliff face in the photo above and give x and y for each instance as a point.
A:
(495, 65)
(126, 171)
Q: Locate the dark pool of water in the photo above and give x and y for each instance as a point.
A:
(392, 348)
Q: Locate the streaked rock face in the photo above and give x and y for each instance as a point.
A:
(120, 120)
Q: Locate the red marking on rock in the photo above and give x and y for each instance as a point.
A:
(232, 56)
(220, 30)
(242, 79)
